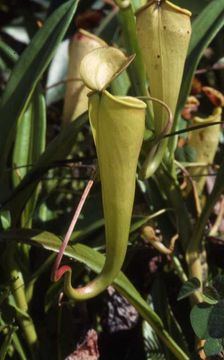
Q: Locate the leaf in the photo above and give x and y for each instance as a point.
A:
(136, 225)
(5, 219)
(106, 64)
(210, 295)
(163, 309)
(199, 319)
(194, 6)
(7, 342)
(164, 34)
(204, 29)
(57, 73)
(121, 84)
(188, 288)
(123, 132)
(213, 347)
(8, 55)
(30, 136)
(218, 284)
(95, 261)
(29, 144)
(216, 320)
(76, 93)
(58, 149)
(28, 71)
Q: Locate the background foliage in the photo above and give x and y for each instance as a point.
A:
(41, 182)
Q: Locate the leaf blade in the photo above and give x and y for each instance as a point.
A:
(204, 29)
(95, 261)
(29, 69)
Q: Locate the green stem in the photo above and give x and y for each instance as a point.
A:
(45, 266)
(16, 343)
(179, 269)
(172, 144)
(196, 239)
(6, 343)
(18, 292)
(172, 191)
(59, 320)
(136, 69)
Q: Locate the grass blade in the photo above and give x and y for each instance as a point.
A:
(58, 149)
(28, 71)
(204, 29)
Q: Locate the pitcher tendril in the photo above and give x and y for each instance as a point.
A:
(56, 270)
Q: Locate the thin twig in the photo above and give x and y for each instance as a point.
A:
(62, 82)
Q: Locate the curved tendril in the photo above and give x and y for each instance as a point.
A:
(156, 154)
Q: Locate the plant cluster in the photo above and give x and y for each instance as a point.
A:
(111, 163)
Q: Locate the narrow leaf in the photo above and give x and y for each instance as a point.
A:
(29, 144)
(28, 70)
(210, 295)
(204, 29)
(30, 136)
(188, 288)
(95, 261)
(58, 149)
(7, 55)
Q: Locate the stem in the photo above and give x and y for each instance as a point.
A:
(194, 249)
(6, 343)
(159, 145)
(59, 319)
(137, 68)
(172, 142)
(45, 266)
(171, 188)
(18, 292)
(179, 269)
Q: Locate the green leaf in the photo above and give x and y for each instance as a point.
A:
(8, 56)
(216, 320)
(218, 281)
(5, 219)
(29, 144)
(210, 295)
(8, 313)
(57, 150)
(107, 63)
(199, 319)
(213, 347)
(95, 261)
(188, 288)
(138, 223)
(194, 6)
(7, 342)
(15, 340)
(28, 71)
(162, 307)
(204, 29)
